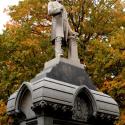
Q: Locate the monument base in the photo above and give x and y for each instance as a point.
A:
(61, 94)
(66, 70)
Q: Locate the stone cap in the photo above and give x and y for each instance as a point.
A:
(64, 97)
(44, 90)
(96, 105)
(11, 103)
(56, 61)
(66, 70)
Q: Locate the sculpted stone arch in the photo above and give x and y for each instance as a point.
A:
(24, 101)
(84, 105)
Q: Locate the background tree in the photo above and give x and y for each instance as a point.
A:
(25, 45)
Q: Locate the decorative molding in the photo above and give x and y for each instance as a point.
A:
(55, 107)
(81, 109)
(106, 117)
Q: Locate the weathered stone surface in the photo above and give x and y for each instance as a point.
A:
(53, 91)
(11, 103)
(90, 104)
(61, 94)
(49, 97)
(67, 71)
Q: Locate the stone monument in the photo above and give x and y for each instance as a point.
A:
(62, 33)
(63, 93)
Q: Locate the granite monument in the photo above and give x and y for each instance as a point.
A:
(63, 93)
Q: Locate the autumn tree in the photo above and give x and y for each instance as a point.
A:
(25, 45)
(24, 48)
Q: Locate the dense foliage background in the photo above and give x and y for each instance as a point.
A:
(25, 46)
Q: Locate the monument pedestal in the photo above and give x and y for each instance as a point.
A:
(66, 70)
(62, 94)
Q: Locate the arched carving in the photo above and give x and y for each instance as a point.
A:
(84, 105)
(24, 101)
